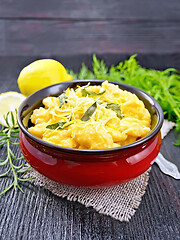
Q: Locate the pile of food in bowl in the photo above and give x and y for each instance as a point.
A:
(90, 133)
(91, 117)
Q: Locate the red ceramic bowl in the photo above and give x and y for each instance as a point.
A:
(89, 168)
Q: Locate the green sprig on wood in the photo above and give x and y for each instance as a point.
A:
(8, 137)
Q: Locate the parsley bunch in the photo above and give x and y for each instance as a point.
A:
(164, 86)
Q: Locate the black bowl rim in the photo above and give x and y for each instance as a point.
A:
(127, 87)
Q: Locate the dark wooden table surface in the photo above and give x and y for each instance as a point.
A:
(71, 31)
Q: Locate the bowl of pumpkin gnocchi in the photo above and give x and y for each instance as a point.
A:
(90, 133)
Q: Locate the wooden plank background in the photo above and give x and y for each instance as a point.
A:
(67, 27)
(71, 31)
(91, 9)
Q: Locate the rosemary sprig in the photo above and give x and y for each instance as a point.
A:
(8, 137)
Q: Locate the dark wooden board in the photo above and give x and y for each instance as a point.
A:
(38, 214)
(45, 38)
(84, 27)
(92, 9)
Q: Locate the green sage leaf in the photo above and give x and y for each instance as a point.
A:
(116, 108)
(91, 93)
(89, 112)
(57, 126)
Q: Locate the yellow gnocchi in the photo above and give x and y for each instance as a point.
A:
(91, 117)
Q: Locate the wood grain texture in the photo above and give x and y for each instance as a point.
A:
(84, 27)
(91, 9)
(38, 214)
(70, 31)
(46, 38)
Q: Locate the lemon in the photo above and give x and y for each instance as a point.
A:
(40, 74)
(9, 101)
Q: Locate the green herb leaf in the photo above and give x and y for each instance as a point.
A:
(178, 142)
(91, 93)
(9, 135)
(89, 112)
(60, 125)
(116, 108)
(84, 73)
(57, 126)
(63, 99)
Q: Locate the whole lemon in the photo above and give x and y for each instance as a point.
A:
(40, 74)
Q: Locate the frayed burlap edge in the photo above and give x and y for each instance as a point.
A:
(119, 202)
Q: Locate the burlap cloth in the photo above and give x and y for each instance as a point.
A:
(119, 202)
